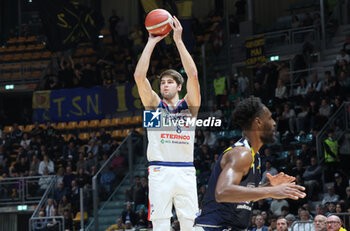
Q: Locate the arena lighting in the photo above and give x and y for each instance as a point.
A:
(274, 58)
(22, 207)
(30, 0)
(9, 87)
(100, 36)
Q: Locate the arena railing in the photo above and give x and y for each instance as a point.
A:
(49, 193)
(339, 120)
(52, 223)
(302, 225)
(21, 190)
(129, 148)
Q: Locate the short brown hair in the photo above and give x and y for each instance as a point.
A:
(176, 76)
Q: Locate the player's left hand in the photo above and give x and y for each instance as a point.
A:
(280, 178)
(177, 28)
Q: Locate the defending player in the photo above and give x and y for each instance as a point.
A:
(234, 181)
(172, 178)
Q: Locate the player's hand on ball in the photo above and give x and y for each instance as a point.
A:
(155, 38)
(177, 28)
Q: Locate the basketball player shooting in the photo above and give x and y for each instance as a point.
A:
(234, 182)
(172, 178)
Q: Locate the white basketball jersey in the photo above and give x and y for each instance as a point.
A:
(174, 142)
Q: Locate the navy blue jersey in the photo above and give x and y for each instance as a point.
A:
(229, 215)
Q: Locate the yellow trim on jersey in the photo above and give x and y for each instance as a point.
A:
(227, 149)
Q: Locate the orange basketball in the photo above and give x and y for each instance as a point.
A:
(158, 22)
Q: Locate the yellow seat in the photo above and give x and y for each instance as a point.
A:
(77, 217)
(21, 127)
(126, 120)
(105, 123)
(136, 120)
(125, 132)
(28, 127)
(8, 129)
(5, 76)
(139, 130)
(61, 126)
(72, 125)
(94, 123)
(116, 122)
(83, 124)
(116, 134)
(84, 136)
(31, 39)
(67, 137)
(43, 126)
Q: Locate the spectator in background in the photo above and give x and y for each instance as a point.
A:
(302, 119)
(117, 226)
(260, 224)
(210, 139)
(60, 192)
(347, 199)
(295, 22)
(25, 142)
(141, 219)
(68, 177)
(34, 164)
(342, 56)
(122, 28)
(308, 20)
(281, 91)
(128, 214)
(276, 206)
(304, 216)
(288, 115)
(340, 186)
(334, 223)
(340, 207)
(44, 181)
(68, 221)
(282, 224)
(314, 87)
(243, 83)
(269, 170)
(41, 223)
(312, 177)
(64, 205)
(331, 155)
(320, 223)
(113, 20)
(301, 91)
(290, 219)
(46, 163)
(330, 196)
(50, 206)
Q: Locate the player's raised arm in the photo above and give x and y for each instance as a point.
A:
(193, 96)
(236, 164)
(149, 98)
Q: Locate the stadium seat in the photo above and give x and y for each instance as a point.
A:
(30, 39)
(126, 120)
(46, 55)
(11, 49)
(8, 129)
(84, 136)
(30, 47)
(94, 123)
(61, 126)
(139, 130)
(36, 55)
(21, 39)
(125, 132)
(116, 122)
(66, 137)
(136, 120)
(16, 75)
(21, 48)
(5, 76)
(43, 126)
(21, 127)
(28, 127)
(27, 56)
(83, 124)
(77, 217)
(36, 74)
(17, 57)
(72, 125)
(105, 123)
(116, 134)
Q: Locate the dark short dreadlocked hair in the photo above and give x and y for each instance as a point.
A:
(246, 111)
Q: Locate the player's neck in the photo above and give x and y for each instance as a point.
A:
(172, 102)
(253, 139)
